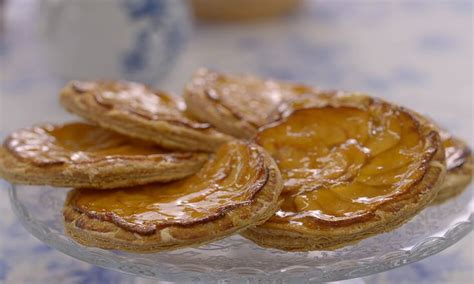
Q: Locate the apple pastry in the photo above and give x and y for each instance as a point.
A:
(352, 167)
(84, 155)
(239, 187)
(240, 104)
(135, 110)
(237, 104)
(459, 166)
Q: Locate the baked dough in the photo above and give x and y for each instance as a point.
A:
(458, 162)
(135, 110)
(84, 155)
(459, 166)
(238, 188)
(240, 104)
(352, 167)
(237, 104)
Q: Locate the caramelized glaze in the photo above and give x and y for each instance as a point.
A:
(456, 151)
(339, 163)
(230, 179)
(140, 100)
(74, 143)
(247, 98)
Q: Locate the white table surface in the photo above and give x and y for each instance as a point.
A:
(419, 54)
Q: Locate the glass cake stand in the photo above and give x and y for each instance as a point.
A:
(237, 259)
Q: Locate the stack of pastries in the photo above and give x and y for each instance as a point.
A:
(287, 166)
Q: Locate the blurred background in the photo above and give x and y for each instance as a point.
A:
(416, 53)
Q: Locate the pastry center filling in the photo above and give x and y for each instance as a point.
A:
(339, 162)
(229, 180)
(74, 142)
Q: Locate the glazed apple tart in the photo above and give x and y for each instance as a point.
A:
(286, 165)
(136, 110)
(240, 104)
(237, 104)
(239, 187)
(84, 155)
(352, 167)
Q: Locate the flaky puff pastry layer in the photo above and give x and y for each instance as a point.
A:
(238, 188)
(237, 104)
(459, 165)
(240, 104)
(458, 162)
(136, 110)
(85, 155)
(323, 226)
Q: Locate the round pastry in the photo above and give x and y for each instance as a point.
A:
(459, 165)
(236, 104)
(135, 110)
(237, 188)
(352, 167)
(84, 155)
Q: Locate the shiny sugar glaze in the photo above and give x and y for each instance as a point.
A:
(74, 143)
(456, 151)
(249, 98)
(229, 180)
(339, 163)
(140, 100)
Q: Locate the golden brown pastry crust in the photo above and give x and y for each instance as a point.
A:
(459, 174)
(458, 163)
(387, 216)
(135, 110)
(237, 104)
(100, 173)
(90, 230)
(233, 114)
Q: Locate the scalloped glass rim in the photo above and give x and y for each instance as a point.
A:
(234, 258)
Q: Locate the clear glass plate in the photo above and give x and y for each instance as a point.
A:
(234, 258)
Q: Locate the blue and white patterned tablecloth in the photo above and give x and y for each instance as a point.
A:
(419, 54)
